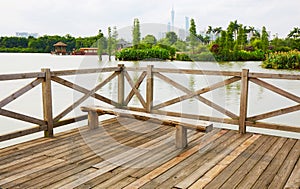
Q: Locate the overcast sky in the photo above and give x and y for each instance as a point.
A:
(86, 17)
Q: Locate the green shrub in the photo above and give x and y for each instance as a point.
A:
(283, 60)
(134, 54)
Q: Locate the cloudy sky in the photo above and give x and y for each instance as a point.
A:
(86, 17)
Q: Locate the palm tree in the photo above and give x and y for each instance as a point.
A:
(295, 33)
(235, 27)
(217, 31)
(209, 31)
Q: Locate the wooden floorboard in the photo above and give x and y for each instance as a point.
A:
(127, 153)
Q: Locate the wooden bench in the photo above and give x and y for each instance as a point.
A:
(181, 127)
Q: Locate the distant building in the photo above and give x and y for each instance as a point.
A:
(172, 16)
(26, 34)
(123, 44)
(60, 48)
(187, 24)
(169, 27)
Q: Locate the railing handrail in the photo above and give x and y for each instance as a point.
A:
(46, 77)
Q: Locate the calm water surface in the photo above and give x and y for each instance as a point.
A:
(260, 100)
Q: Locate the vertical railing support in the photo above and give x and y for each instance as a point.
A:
(243, 101)
(149, 92)
(47, 102)
(121, 87)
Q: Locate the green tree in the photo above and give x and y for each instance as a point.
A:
(295, 33)
(193, 35)
(172, 37)
(109, 43)
(264, 39)
(149, 39)
(115, 39)
(136, 34)
(229, 43)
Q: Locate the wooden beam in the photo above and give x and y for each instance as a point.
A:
(181, 137)
(22, 117)
(275, 76)
(93, 120)
(146, 117)
(135, 90)
(82, 99)
(47, 102)
(274, 113)
(121, 85)
(149, 91)
(83, 90)
(275, 89)
(84, 71)
(243, 101)
(197, 72)
(6, 77)
(20, 133)
(69, 121)
(196, 94)
(20, 92)
(137, 85)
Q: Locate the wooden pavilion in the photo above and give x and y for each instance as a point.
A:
(60, 48)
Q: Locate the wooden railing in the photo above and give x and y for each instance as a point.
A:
(47, 77)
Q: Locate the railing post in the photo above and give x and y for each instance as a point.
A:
(121, 87)
(243, 101)
(149, 92)
(47, 102)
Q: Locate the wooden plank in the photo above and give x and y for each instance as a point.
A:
(163, 168)
(197, 72)
(136, 69)
(273, 126)
(135, 90)
(20, 133)
(136, 86)
(22, 117)
(20, 92)
(287, 167)
(6, 77)
(115, 161)
(218, 168)
(201, 162)
(142, 165)
(84, 71)
(267, 176)
(294, 180)
(218, 181)
(47, 103)
(7, 180)
(149, 88)
(243, 101)
(239, 174)
(71, 160)
(274, 113)
(181, 137)
(121, 85)
(69, 121)
(82, 99)
(275, 76)
(276, 89)
(145, 116)
(196, 117)
(83, 90)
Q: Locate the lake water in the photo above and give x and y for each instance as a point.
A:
(260, 100)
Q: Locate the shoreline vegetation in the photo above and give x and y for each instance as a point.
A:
(235, 43)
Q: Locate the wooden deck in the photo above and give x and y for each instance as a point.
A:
(136, 154)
